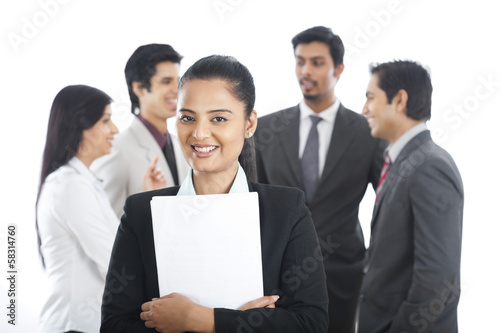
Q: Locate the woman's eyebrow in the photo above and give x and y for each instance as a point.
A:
(211, 111)
(220, 110)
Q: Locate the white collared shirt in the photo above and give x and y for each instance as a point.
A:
(240, 184)
(77, 228)
(400, 143)
(325, 129)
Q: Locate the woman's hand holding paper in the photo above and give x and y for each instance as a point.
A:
(177, 313)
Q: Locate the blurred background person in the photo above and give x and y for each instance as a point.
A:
(152, 75)
(412, 281)
(75, 222)
(326, 150)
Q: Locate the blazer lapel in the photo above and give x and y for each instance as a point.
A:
(341, 138)
(388, 183)
(147, 142)
(289, 139)
(398, 172)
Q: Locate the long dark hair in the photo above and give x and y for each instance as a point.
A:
(241, 86)
(75, 109)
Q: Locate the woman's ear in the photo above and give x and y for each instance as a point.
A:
(251, 124)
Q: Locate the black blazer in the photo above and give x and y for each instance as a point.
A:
(291, 262)
(412, 283)
(353, 161)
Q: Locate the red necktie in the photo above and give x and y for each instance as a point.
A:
(383, 174)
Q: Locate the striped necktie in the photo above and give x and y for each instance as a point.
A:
(383, 174)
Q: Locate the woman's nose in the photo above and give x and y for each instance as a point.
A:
(202, 131)
(114, 129)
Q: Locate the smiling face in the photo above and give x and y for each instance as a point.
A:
(160, 101)
(212, 126)
(381, 115)
(316, 72)
(97, 140)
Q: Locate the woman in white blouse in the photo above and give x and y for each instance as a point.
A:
(75, 222)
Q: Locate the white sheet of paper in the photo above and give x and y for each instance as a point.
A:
(208, 248)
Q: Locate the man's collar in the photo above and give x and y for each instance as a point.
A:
(159, 137)
(327, 114)
(400, 143)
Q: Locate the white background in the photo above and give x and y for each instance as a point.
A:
(89, 42)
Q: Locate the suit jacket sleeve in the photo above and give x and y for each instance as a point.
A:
(436, 199)
(126, 286)
(302, 306)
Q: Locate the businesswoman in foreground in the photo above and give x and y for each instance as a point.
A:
(75, 222)
(215, 123)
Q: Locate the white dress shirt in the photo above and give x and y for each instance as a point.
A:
(77, 228)
(325, 129)
(401, 142)
(240, 183)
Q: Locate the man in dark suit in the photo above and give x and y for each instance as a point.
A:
(412, 281)
(332, 159)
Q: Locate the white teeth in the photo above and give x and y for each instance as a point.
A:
(204, 149)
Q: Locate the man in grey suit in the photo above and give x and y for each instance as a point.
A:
(326, 150)
(412, 281)
(152, 75)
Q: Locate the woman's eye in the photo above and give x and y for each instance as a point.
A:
(219, 119)
(185, 118)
